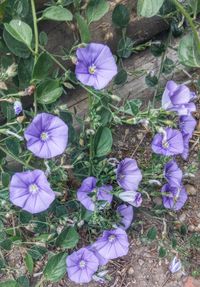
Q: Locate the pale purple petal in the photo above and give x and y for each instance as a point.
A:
(102, 260)
(46, 136)
(31, 191)
(186, 141)
(88, 185)
(174, 197)
(187, 125)
(126, 213)
(173, 173)
(103, 193)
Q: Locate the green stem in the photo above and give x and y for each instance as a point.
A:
(91, 135)
(15, 158)
(189, 19)
(36, 44)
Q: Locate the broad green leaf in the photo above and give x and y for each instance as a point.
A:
(162, 252)
(57, 13)
(121, 77)
(148, 8)
(49, 91)
(6, 244)
(36, 252)
(5, 177)
(188, 53)
(29, 263)
(19, 30)
(19, 49)
(13, 145)
(103, 141)
(96, 9)
(23, 281)
(133, 106)
(68, 238)
(121, 16)
(43, 38)
(9, 283)
(42, 67)
(56, 267)
(152, 233)
(25, 69)
(125, 47)
(83, 28)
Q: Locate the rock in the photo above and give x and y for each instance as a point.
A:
(140, 136)
(130, 271)
(191, 282)
(191, 228)
(182, 217)
(140, 262)
(191, 190)
(157, 200)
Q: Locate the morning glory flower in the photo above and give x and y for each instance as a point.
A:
(187, 125)
(174, 197)
(132, 197)
(46, 136)
(128, 174)
(31, 191)
(173, 173)
(177, 98)
(17, 107)
(168, 142)
(175, 265)
(112, 244)
(81, 265)
(126, 213)
(100, 193)
(95, 65)
(186, 142)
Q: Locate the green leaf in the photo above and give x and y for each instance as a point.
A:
(157, 48)
(188, 53)
(25, 69)
(43, 38)
(6, 244)
(83, 28)
(152, 233)
(23, 281)
(24, 217)
(133, 106)
(125, 47)
(162, 252)
(151, 80)
(42, 67)
(5, 177)
(49, 91)
(68, 238)
(13, 146)
(17, 48)
(96, 9)
(21, 31)
(29, 263)
(57, 13)
(103, 141)
(121, 16)
(56, 267)
(148, 8)
(168, 66)
(121, 77)
(9, 283)
(36, 252)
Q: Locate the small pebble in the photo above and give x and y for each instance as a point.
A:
(130, 271)
(191, 190)
(182, 217)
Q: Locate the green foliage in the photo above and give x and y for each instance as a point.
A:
(83, 28)
(42, 67)
(149, 8)
(162, 252)
(96, 9)
(56, 267)
(57, 13)
(29, 263)
(68, 238)
(188, 53)
(103, 141)
(121, 16)
(152, 233)
(49, 91)
(121, 77)
(125, 47)
(9, 283)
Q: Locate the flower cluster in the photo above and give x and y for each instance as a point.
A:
(171, 142)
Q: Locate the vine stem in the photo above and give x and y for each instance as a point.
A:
(36, 44)
(91, 135)
(189, 19)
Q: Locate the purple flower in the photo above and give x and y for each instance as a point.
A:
(46, 136)
(168, 142)
(173, 173)
(174, 197)
(102, 260)
(31, 191)
(17, 107)
(177, 98)
(112, 244)
(95, 66)
(187, 125)
(128, 174)
(175, 265)
(126, 213)
(81, 265)
(186, 141)
(100, 193)
(132, 197)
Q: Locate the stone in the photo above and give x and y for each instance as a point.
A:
(182, 217)
(130, 271)
(140, 262)
(191, 190)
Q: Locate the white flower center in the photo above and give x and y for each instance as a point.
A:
(111, 238)
(33, 188)
(82, 263)
(165, 144)
(92, 69)
(44, 136)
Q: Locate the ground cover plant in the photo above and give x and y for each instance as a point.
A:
(65, 194)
